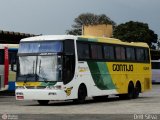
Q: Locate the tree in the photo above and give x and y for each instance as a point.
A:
(88, 19)
(135, 32)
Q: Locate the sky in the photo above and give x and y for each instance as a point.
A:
(57, 16)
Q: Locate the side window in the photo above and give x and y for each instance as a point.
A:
(140, 54)
(96, 51)
(120, 53)
(146, 51)
(130, 53)
(69, 47)
(12, 56)
(83, 51)
(109, 52)
(1, 56)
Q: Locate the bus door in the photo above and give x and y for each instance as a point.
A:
(68, 61)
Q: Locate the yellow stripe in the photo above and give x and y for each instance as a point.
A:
(28, 83)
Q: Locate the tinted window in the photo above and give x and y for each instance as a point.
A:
(1, 56)
(96, 52)
(155, 65)
(12, 57)
(83, 50)
(109, 52)
(146, 51)
(69, 47)
(140, 54)
(120, 53)
(130, 53)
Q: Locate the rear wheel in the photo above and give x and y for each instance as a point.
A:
(137, 90)
(130, 94)
(43, 102)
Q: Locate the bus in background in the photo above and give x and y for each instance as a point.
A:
(69, 67)
(155, 58)
(156, 71)
(12, 54)
(7, 56)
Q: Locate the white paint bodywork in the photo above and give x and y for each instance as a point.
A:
(79, 78)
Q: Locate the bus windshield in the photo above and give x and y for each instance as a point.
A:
(39, 68)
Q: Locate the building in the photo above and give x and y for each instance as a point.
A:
(101, 30)
(12, 37)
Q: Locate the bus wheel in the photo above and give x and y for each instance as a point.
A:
(43, 102)
(137, 90)
(130, 94)
(82, 93)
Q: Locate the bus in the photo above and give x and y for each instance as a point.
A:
(156, 71)
(8, 53)
(66, 67)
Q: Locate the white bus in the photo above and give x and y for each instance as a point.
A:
(156, 71)
(72, 68)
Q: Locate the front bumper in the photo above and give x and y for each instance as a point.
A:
(40, 94)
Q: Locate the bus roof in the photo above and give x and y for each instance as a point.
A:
(99, 39)
(48, 37)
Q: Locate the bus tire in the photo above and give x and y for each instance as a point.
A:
(82, 94)
(137, 89)
(130, 93)
(43, 102)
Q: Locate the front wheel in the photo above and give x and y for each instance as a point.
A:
(43, 102)
(82, 94)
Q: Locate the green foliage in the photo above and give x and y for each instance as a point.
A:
(135, 32)
(88, 19)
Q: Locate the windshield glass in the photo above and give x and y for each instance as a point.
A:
(39, 68)
(27, 65)
(47, 68)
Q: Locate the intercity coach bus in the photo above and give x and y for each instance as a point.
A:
(66, 67)
(8, 53)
